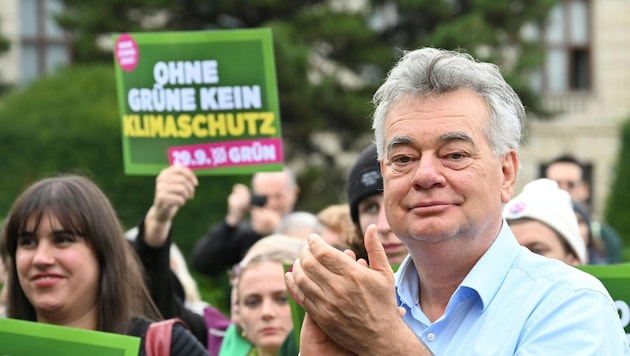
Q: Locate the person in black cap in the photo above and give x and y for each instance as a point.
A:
(364, 188)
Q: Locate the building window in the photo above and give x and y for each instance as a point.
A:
(44, 46)
(567, 39)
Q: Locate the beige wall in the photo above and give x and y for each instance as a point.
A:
(9, 27)
(588, 128)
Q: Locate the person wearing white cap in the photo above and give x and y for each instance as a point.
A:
(542, 219)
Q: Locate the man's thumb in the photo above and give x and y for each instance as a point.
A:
(376, 252)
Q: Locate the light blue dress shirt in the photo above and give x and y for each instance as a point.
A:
(514, 302)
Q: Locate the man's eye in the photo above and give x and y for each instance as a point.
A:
(403, 159)
(457, 160)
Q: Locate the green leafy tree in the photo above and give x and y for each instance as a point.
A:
(617, 208)
(89, 21)
(319, 42)
(491, 30)
(305, 107)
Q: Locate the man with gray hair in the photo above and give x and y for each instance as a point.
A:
(447, 130)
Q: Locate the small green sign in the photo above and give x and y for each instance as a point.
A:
(616, 279)
(203, 99)
(27, 338)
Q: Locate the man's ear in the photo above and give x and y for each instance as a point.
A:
(509, 168)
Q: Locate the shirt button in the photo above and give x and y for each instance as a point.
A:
(430, 336)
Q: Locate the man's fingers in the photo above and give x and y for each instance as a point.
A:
(328, 256)
(290, 277)
(309, 280)
(294, 290)
(362, 262)
(351, 254)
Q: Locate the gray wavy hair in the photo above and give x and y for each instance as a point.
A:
(431, 71)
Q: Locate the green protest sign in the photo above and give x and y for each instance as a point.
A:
(19, 337)
(203, 99)
(616, 279)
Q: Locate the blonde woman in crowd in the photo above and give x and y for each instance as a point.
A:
(263, 309)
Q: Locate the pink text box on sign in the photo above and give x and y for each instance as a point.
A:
(227, 154)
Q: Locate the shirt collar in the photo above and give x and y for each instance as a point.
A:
(407, 286)
(491, 270)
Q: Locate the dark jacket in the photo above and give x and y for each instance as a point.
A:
(183, 343)
(222, 247)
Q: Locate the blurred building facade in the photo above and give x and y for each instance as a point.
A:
(38, 45)
(584, 79)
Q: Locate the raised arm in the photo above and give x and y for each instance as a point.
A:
(174, 186)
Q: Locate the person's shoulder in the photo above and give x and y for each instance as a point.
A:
(184, 343)
(138, 327)
(555, 274)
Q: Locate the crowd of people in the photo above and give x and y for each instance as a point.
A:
(433, 252)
